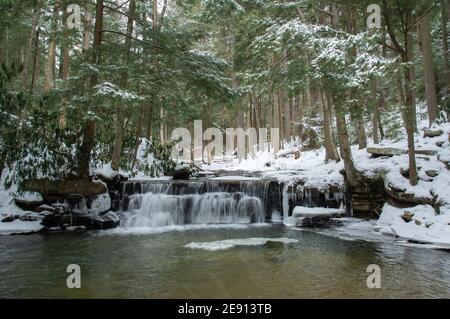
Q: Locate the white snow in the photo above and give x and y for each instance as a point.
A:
(231, 243)
(317, 211)
(426, 226)
(19, 227)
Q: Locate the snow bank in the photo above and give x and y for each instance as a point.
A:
(425, 225)
(20, 227)
(231, 243)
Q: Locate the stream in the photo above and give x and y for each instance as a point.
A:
(216, 239)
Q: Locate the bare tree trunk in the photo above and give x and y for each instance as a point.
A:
(36, 64)
(31, 39)
(3, 44)
(64, 67)
(444, 22)
(353, 176)
(376, 111)
(51, 55)
(331, 153)
(410, 114)
(119, 129)
(84, 156)
(445, 8)
(430, 80)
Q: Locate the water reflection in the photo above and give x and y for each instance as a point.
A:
(159, 266)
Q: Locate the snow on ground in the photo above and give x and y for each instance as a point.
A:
(425, 225)
(20, 227)
(231, 243)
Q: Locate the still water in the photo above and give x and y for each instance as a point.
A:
(157, 264)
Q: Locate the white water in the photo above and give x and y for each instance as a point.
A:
(158, 207)
(231, 243)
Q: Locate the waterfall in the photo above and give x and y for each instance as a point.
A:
(164, 203)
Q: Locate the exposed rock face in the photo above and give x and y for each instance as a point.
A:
(114, 185)
(400, 197)
(88, 221)
(28, 205)
(66, 187)
(368, 199)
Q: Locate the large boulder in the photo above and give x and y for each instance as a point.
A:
(387, 151)
(66, 187)
(29, 201)
(432, 133)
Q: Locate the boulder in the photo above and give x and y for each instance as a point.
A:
(65, 187)
(407, 217)
(432, 173)
(182, 173)
(45, 208)
(295, 153)
(432, 133)
(10, 218)
(389, 152)
(29, 201)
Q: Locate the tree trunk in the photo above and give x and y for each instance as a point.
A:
(36, 64)
(51, 55)
(331, 153)
(119, 129)
(3, 44)
(27, 61)
(430, 80)
(444, 22)
(410, 114)
(84, 156)
(353, 176)
(64, 64)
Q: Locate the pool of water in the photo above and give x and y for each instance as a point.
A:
(158, 264)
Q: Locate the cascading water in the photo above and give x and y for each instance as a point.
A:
(162, 203)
